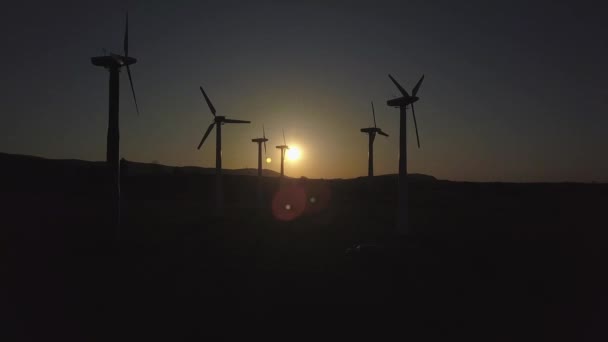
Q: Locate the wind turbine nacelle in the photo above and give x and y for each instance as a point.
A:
(402, 101)
(283, 146)
(369, 130)
(113, 60)
(259, 140)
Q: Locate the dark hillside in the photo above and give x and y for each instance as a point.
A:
(489, 261)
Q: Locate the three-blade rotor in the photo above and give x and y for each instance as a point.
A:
(375, 129)
(407, 99)
(219, 120)
(264, 136)
(284, 146)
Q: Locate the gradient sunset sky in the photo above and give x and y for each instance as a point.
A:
(513, 91)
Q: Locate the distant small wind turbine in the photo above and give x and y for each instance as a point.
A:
(402, 103)
(113, 63)
(260, 141)
(218, 121)
(371, 132)
(283, 148)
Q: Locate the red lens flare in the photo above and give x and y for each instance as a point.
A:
(289, 203)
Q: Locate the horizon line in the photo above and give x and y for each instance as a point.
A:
(594, 182)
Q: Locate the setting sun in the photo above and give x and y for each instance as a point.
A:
(293, 153)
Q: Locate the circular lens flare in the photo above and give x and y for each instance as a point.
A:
(268, 160)
(288, 203)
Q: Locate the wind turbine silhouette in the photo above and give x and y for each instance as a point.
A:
(371, 132)
(218, 121)
(283, 148)
(402, 102)
(260, 141)
(114, 63)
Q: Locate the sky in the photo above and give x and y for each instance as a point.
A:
(512, 92)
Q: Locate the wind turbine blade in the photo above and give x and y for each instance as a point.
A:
(206, 135)
(403, 92)
(132, 89)
(415, 126)
(374, 114)
(284, 142)
(126, 40)
(264, 135)
(382, 133)
(236, 121)
(415, 90)
(208, 101)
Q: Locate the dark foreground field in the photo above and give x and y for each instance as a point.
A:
(490, 262)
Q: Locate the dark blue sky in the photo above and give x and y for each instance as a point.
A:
(513, 91)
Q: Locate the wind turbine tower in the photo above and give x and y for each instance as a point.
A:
(260, 141)
(283, 148)
(113, 63)
(371, 132)
(402, 102)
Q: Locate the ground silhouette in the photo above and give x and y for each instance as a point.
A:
(489, 261)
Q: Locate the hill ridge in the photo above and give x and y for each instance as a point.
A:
(142, 168)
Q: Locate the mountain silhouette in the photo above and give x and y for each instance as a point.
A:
(25, 165)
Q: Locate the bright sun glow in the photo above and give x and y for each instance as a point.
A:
(293, 153)
(268, 160)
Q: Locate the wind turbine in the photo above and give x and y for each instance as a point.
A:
(218, 121)
(114, 63)
(371, 132)
(260, 141)
(402, 102)
(283, 148)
